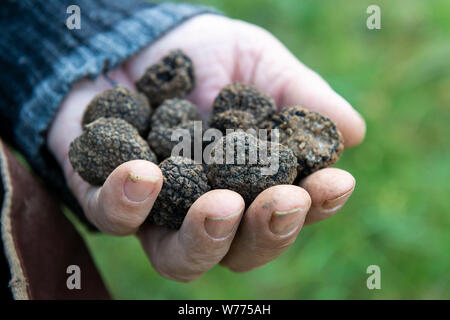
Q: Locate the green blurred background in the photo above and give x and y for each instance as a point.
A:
(399, 215)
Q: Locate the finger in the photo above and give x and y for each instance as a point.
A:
(124, 201)
(270, 225)
(202, 241)
(329, 189)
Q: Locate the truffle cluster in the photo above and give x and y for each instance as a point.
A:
(119, 126)
(116, 128)
(314, 139)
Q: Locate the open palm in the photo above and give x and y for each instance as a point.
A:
(223, 51)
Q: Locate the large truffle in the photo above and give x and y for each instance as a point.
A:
(238, 163)
(173, 114)
(123, 103)
(105, 144)
(245, 98)
(314, 138)
(184, 182)
(171, 77)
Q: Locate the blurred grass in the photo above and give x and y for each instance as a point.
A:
(399, 216)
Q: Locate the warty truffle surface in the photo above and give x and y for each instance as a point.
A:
(314, 138)
(184, 182)
(248, 171)
(246, 98)
(171, 77)
(173, 114)
(123, 103)
(105, 144)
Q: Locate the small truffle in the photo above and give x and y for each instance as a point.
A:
(174, 112)
(243, 163)
(160, 139)
(172, 115)
(246, 98)
(233, 119)
(184, 182)
(171, 77)
(314, 138)
(120, 102)
(105, 144)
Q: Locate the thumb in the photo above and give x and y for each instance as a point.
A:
(124, 201)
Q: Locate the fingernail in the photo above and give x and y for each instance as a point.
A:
(221, 227)
(138, 188)
(336, 203)
(286, 222)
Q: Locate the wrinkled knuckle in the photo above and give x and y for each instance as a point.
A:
(198, 260)
(274, 245)
(165, 271)
(236, 268)
(161, 268)
(121, 224)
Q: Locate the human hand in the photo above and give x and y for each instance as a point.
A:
(223, 51)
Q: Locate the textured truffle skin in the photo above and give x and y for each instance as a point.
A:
(244, 97)
(105, 144)
(247, 178)
(314, 138)
(123, 103)
(233, 119)
(171, 77)
(160, 140)
(173, 114)
(184, 182)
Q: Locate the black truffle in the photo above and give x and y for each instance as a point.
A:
(243, 167)
(233, 119)
(314, 138)
(171, 77)
(105, 144)
(120, 102)
(184, 182)
(245, 98)
(173, 114)
(160, 139)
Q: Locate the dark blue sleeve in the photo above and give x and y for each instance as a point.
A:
(41, 59)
